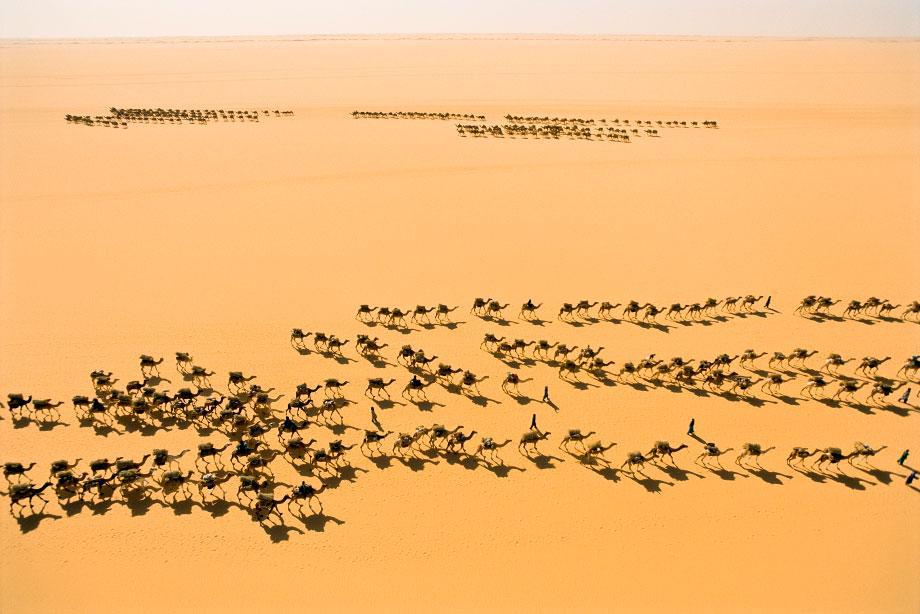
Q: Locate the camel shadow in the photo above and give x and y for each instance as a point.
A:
(387, 403)
(183, 507)
(427, 405)
(649, 484)
(340, 428)
(378, 362)
(638, 386)
(605, 471)
(501, 470)
(784, 398)
(880, 475)
(381, 461)
(49, 425)
(339, 358)
(522, 399)
(29, 523)
(726, 474)
(579, 385)
(677, 473)
(279, 532)
(482, 400)
(139, 502)
(663, 328)
(415, 463)
(317, 522)
(543, 461)
(770, 477)
(499, 321)
(814, 476)
(898, 411)
(849, 481)
(218, 507)
(537, 322)
(402, 330)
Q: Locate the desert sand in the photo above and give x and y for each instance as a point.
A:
(217, 239)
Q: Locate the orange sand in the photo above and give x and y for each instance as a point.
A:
(217, 239)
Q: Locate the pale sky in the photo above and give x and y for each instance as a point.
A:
(148, 18)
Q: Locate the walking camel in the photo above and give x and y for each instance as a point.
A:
(711, 451)
(800, 454)
(574, 435)
(488, 450)
(377, 385)
(662, 448)
(149, 366)
(635, 461)
(529, 310)
(753, 451)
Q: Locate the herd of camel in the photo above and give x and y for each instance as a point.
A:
(554, 131)
(531, 119)
(260, 434)
(120, 118)
(819, 307)
(414, 115)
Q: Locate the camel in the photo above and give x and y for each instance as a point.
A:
(479, 306)
(542, 348)
(175, 479)
(183, 362)
(494, 310)
(405, 441)
(397, 318)
(849, 387)
(598, 365)
(383, 315)
(741, 384)
(305, 492)
(748, 357)
(605, 311)
(824, 304)
(581, 309)
(17, 402)
(635, 461)
(519, 345)
(27, 492)
(18, 469)
(865, 451)
(647, 364)
(912, 313)
(320, 340)
(458, 439)
(628, 369)
(674, 312)
(162, 458)
(490, 341)
(651, 312)
(377, 385)
(531, 438)
(568, 370)
(150, 366)
(266, 505)
(710, 306)
(853, 308)
(373, 438)
(334, 345)
(365, 313)
(566, 312)
(563, 351)
(237, 380)
(909, 370)
(574, 435)
(662, 449)
(260, 461)
(67, 482)
(753, 451)
(815, 382)
(711, 450)
(695, 311)
(370, 347)
(122, 464)
(833, 363)
(442, 315)
(470, 382)
(800, 355)
(250, 484)
(333, 387)
(772, 383)
(632, 309)
(885, 309)
(529, 310)
(588, 353)
(869, 365)
(748, 302)
(62, 465)
(882, 388)
(421, 311)
(415, 389)
(244, 449)
(291, 427)
(832, 456)
(510, 384)
(441, 432)
(487, 450)
(420, 360)
(800, 454)
(729, 304)
(213, 481)
(596, 451)
(132, 478)
(445, 373)
(305, 391)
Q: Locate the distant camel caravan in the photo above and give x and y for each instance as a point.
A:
(120, 118)
(415, 115)
(819, 308)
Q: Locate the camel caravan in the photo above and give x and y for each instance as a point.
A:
(120, 118)
(545, 127)
(531, 119)
(415, 115)
(819, 308)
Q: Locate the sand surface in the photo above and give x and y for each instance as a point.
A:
(217, 239)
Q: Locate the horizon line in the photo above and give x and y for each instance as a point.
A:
(440, 35)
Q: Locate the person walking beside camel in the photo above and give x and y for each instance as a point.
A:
(533, 423)
(903, 457)
(546, 394)
(911, 478)
(905, 396)
(692, 424)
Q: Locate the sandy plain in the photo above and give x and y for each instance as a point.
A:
(217, 239)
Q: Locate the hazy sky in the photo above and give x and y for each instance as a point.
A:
(124, 18)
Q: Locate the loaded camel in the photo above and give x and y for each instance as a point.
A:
(752, 451)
